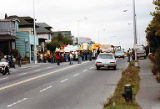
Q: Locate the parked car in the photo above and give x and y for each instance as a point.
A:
(141, 52)
(106, 60)
(4, 67)
(119, 54)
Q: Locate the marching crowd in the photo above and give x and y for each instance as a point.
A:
(58, 57)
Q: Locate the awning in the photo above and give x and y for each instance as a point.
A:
(8, 38)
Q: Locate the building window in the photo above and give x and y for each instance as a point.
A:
(49, 37)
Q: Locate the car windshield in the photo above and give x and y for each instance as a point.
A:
(105, 56)
(119, 51)
(140, 49)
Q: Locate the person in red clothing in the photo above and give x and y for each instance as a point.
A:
(58, 57)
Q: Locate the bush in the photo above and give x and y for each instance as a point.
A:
(129, 76)
(156, 61)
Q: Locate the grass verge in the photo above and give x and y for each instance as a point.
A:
(129, 76)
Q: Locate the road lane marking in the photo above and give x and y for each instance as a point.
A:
(91, 68)
(26, 67)
(37, 77)
(19, 101)
(37, 70)
(45, 88)
(84, 70)
(22, 74)
(63, 80)
(49, 67)
(3, 78)
(75, 75)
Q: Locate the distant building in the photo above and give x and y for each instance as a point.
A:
(8, 29)
(65, 33)
(44, 34)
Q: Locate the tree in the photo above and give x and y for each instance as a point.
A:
(57, 41)
(153, 29)
(153, 39)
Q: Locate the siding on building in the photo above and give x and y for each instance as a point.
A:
(27, 29)
(24, 42)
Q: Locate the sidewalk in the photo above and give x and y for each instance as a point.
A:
(26, 66)
(148, 96)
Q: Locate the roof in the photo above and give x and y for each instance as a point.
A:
(7, 37)
(24, 21)
(40, 30)
(8, 20)
(43, 28)
(43, 25)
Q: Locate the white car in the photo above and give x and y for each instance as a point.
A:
(106, 60)
(119, 54)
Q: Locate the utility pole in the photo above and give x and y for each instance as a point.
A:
(134, 29)
(35, 48)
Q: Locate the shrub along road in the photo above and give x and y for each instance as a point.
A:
(129, 76)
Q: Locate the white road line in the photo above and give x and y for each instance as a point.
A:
(36, 77)
(3, 78)
(27, 67)
(84, 70)
(45, 89)
(37, 70)
(63, 80)
(19, 101)
(75, 75)
(49, 67)
(22, 74)
(91, 68)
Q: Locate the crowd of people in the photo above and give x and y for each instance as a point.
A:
(58, 57)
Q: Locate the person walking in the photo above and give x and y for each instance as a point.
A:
(71, 58)
(79, 57)
(128, 55)
(14, 62)
(19, 59)
(90, 55)
(58, 57)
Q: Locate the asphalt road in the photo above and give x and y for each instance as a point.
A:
(48, 86)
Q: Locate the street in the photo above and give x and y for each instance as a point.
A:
(48, 86)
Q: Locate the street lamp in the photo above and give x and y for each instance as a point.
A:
(35, 48)
(134, 30)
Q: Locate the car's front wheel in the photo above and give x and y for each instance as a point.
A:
(114, 67)
(98, 67)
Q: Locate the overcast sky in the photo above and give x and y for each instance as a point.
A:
(102, 20)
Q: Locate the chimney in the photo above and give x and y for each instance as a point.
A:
(6, 15)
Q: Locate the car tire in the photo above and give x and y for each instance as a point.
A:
(114, 67)
(98, 68)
